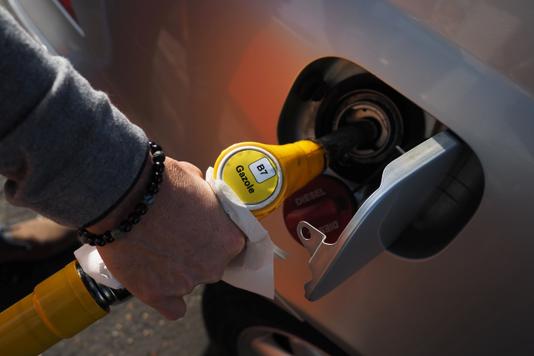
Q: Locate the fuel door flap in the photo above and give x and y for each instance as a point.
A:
(407, 184)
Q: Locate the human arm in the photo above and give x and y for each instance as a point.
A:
(72, 156)
(66, 151)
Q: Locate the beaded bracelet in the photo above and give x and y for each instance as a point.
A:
(158, 166)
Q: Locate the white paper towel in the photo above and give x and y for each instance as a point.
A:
(251, 270)
(92, 264)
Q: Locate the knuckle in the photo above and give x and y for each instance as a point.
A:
(147, 295)
(213, 275)
(180, 284)
(187, 286)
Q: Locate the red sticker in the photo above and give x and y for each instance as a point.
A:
(326, 203)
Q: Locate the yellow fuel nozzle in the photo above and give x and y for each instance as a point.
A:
(262, 176)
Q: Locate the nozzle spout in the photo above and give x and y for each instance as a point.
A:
(339, 144)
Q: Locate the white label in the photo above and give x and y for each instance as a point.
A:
(262, 170)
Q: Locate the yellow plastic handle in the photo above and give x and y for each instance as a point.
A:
(262, 176)
(59, 307)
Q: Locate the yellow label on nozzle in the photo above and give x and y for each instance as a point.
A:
(253, 174)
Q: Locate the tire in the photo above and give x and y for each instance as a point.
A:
(242, 323)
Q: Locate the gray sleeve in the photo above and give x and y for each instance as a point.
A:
(67, 152)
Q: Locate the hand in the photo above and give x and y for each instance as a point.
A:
(185, 239)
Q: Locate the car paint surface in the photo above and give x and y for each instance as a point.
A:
(201, 75)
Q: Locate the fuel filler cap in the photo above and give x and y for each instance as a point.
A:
(326, 203)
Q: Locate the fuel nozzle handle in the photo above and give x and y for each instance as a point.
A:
(262, 176)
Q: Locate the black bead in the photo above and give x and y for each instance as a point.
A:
(152, 188)
(84, 236)
(148, 199)
(86, 233)
(91, 242)
(116, 233)
(158, 156)
(100, 241)
(158, 167)
(108, 236)
(125, 226)
(154, 147)
(141, 209)
(157, 177)
(134, 218)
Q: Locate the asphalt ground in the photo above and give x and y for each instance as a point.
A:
(136, 329)
(131, 328)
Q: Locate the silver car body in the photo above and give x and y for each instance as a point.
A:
(201, 75)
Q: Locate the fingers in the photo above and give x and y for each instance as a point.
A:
(164, 291)
(171, 308)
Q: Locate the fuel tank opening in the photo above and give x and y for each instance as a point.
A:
(375, 107)
(364, 97)
(328, 100)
